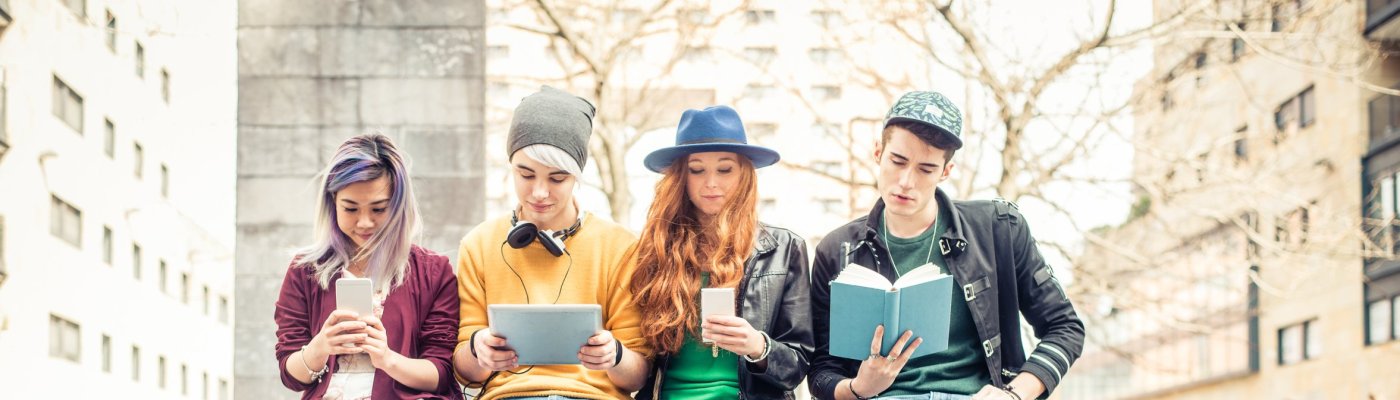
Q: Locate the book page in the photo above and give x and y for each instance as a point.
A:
(857, 275)
(923, 273)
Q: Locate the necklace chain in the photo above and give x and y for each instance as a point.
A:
(927, 258)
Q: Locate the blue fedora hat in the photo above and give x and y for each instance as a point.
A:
(716, 128)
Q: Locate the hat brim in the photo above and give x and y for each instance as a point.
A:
(940, 129)
(661, 159)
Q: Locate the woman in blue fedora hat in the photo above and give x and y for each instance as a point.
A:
(702, 231)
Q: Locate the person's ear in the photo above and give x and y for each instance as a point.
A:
(879, 150)
(947, 170)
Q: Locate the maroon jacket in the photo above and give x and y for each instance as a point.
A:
(420, 317)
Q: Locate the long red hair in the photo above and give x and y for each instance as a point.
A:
(674, 245)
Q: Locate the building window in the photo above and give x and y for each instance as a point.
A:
(826, 18)
(760, 56)
(767, 205)
(762, 131)
(4, 132)
(78, 7)
(1241, 145)
(204, 384)
(1292, 228)
(111, 31)
(697, 54)
(831, 206)
(136, 261)
(1307, 108)
(758, 92)
(497, 52)
(67, 105)
(1381, 323)
(829, 168)
(1201, 61)
(184, 380)
(106, 353)
(223, 389)
(1237, 45)
(760, 16)
(823, 55)
(1295, 113)
(164, 181)
(1276, 19)
(65, 339)
(185, 287)
(107, 245)
(160, 372)
(695, 16)
(164, 278)
(135, 363)
(826, 92)
(66, 222)
(140, 61)
(138, 158)
(1384, 115)
(3, 272)
(109, 138)
(223, 309)
(828, 130)
(165, 85)
(1298, 342)
(206, 300)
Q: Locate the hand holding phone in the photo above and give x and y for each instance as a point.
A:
(716, 301)
(354, 295)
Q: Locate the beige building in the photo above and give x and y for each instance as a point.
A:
(116, 163)
(1260, 260)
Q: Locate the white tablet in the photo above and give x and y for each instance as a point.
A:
(545, 334)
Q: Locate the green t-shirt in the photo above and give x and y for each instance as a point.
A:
(696, 373)
(960, 369)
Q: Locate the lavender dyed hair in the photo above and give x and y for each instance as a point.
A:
(364, 158)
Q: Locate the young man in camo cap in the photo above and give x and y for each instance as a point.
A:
(999, 276)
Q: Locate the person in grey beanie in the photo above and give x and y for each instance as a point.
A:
(557, 254)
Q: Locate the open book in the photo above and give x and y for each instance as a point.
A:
(919, 301)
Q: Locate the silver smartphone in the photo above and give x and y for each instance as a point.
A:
(716, 301)
(354, 294)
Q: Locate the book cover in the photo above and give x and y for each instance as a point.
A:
(861, 299)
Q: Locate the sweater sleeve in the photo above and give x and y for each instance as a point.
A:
(439, 328)
(294, 325)
(621, 315)
(471, 295)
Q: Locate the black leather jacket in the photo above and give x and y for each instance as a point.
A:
(994, 261)
(775, 301)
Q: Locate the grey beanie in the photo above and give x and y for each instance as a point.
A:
(553, 117)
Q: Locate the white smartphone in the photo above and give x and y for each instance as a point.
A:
(354, 294)
(716, 301)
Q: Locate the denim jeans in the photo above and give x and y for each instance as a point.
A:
(928, 396)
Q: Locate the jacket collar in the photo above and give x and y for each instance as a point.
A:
(953, 238)
(764, 240)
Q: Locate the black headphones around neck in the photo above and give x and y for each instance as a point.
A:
(523, 232)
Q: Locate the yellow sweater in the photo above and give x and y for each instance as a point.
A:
(599, 276)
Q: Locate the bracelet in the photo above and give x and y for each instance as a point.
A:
(315, 375)
(766, 347)
(1011, 392)
(618, 358)
(471, 342)
(851, 384)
